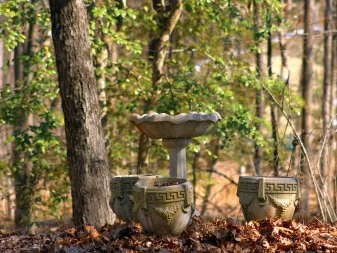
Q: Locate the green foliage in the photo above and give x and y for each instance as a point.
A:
(206, 73)
(208, 68)
(31, 100)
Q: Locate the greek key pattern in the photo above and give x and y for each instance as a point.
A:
(127, 186)
(172, 196)
(269, 187)
(281, 187)
(248, 187)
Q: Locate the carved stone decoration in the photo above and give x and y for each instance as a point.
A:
(165, 126)
(268, 197)
(163, 205)
(121, 200)
(176, 132)
(167, 212)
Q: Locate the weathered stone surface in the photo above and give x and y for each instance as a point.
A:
(164, 126)
(121, 200)
(163, 205)
(268, 197)
(176, 132)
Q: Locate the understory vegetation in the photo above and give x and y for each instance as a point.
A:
(267, 66)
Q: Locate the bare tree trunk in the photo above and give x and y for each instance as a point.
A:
(258, 96)
(23, 184)
(143, 149)
(306, 82)
(283, 48)
(109, 125)
(210, 174)
(333, 62)
(5, 130)
(23, 201)
(194, 168)
(8, 199)
(333, 85)
(86, 153)
(108, 54)
(167, 17)
(282, 43)
(272, 108)
(326, 115)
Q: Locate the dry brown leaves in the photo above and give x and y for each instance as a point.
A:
(202, 236)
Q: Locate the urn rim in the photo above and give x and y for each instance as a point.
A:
(149, 183)
(175, 119)
(266, 177)
(133, 176)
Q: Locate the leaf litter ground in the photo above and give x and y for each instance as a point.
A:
(202, 236)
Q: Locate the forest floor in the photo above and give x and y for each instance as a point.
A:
(202, 236)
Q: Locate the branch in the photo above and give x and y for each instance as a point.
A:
(323, 145)
(317, 192)
(160, 49)
(225, 176)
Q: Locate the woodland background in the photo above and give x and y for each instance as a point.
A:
(267, 66)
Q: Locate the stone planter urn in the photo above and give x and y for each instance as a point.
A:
(268, 197)
(176, 132)
(163, 205)
(121, 200)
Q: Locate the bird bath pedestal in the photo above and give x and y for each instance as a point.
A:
(177, 149)
(176, 133)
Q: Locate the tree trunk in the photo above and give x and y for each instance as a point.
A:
(86, 154)
(23, 202)
(108, 54)
(307, 63)
(272, 108)
(333, 62)
(283, 47)
(258, 96)
(112, 50)
(143, 150)
(306, 82)
(326, 116)
(210, 174)
(167, 17)
(23, 186)
(194, 168)
(333, 85)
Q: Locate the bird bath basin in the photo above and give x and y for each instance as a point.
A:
(176, 133)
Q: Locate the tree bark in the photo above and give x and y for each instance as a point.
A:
(333, 62)
(326, 115)
(209, 186)
(306, 82)
(307, 66)
(194, 168)
(23, 185)
(23, 201)
(167, 18)
(333, 80)
(283, 44)
(108, 54)
(258, 95)
(272, 108)
(86, 153)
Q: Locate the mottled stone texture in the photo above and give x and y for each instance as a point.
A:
(163, 205)
(176, 132)
(121, 200)
(268, 197)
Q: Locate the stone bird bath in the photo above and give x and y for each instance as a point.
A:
(176, 133)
